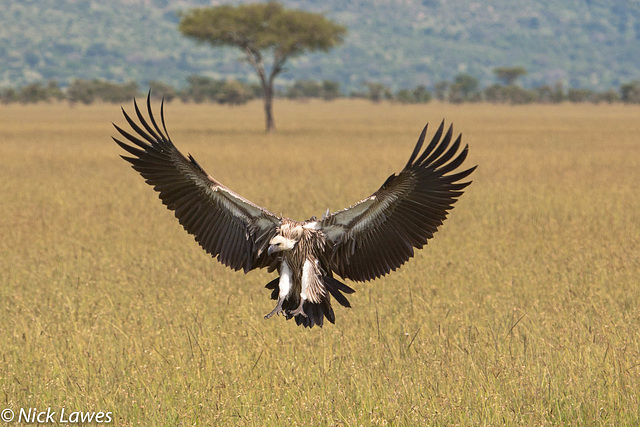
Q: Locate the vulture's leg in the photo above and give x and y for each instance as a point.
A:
(277, 309)
(298, 310)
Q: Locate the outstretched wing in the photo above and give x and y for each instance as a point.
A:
(225, 224)
(379, 234)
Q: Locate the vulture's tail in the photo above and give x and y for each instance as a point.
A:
(316, 312)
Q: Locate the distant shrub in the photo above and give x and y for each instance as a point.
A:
(376, 92)
(404, 96)
(160, 90)
(206, 89)
(610, 97)
(419, 95)
(581, 95)
(630, 92)
(81, 91)
(33, 93)
(8, 95)
(330, 90)
(233, 92)
(89, 91)
(441, 90)
(464, 89)
(509, 94)
(201, 89)
(301, 89)
(550, 94)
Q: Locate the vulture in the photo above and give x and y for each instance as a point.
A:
(363, 242)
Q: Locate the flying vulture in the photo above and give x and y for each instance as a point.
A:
(360, 243)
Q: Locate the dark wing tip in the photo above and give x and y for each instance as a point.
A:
(434, 144)
(409, 208)
(418, 146)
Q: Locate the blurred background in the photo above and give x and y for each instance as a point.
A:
(408, 50)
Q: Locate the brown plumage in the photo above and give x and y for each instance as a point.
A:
(363, 242)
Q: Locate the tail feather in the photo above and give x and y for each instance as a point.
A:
(274, 285)
(328, 311)
(315, 312)
(334, 286)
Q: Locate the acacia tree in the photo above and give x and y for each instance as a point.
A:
(260, 30)
(509, 75)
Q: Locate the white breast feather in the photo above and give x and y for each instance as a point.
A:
(307, 277)
(285, 279)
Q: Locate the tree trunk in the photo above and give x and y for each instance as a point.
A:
(268, 109)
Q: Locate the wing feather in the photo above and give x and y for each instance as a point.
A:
(226, 225)
(379, 234)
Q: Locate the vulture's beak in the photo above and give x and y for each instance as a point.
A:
(273, 249)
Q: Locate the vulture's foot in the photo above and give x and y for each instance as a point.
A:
(299, 310)
(277, 309)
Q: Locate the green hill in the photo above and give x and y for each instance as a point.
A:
(401, 43)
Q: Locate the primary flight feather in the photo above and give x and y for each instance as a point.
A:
(362, 242)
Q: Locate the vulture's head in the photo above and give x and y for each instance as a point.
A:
(286, 239)
(281, 243)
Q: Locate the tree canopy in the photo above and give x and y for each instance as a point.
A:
(509, 75)
(262, 26)
(260, 29)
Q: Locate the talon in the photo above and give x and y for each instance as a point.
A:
(276, 310)
(299, 310)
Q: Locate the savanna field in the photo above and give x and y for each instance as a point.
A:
(523, 310)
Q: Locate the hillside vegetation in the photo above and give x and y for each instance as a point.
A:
(402, 44)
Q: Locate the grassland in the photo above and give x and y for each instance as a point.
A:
(524, 310)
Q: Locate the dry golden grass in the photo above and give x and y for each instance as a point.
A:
(524, 310)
